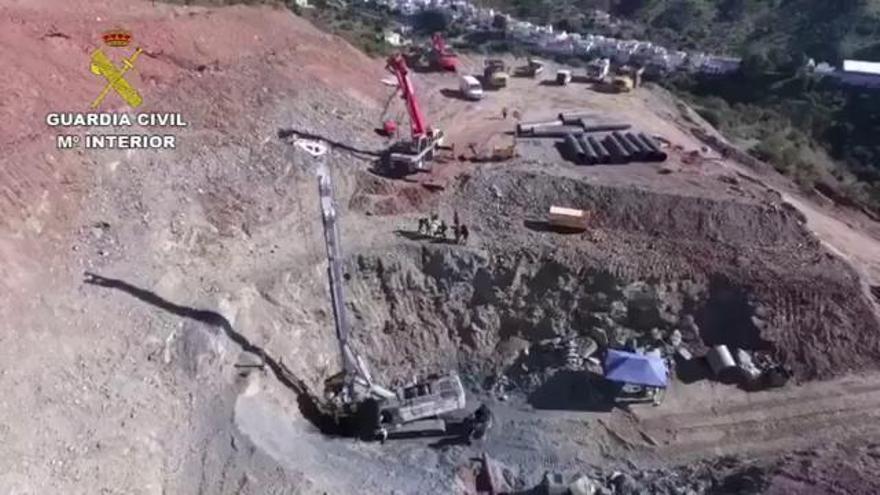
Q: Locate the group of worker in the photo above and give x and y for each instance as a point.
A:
(437, 228)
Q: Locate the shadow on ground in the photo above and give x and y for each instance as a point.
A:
(574, 391)
(544, 226)
(416, 236)
(287, 133)
(453, 93)
(308, 405)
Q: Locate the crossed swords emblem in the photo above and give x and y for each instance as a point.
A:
(115, 77)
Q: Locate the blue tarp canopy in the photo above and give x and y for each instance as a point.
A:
(637, 369)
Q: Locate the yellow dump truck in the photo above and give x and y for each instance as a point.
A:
(495, 73)
(622, 84)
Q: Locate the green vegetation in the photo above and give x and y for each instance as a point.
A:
(360, 25)
(808, 129)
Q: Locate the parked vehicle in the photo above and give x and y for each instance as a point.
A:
(470, 88)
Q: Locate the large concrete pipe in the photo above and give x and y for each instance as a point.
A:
(720, 360)
(657, 154)
(572, 116)
(642, 151)
(601, 151)
(618, 153)
(626, 145)
(590, 156)
(573, 147)
(594, 127)
(557, 131)
(528, 127)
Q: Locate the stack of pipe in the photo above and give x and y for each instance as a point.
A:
(615, 147)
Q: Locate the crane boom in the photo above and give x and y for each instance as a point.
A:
(334, 269)
(397, 65)
(355, 373)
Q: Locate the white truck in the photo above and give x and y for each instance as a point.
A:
(563, 77)
(470, 88)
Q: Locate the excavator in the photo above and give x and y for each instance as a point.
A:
(413, 156)
(355, 399)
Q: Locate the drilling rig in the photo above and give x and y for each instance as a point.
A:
(415, 155)
(353, 396)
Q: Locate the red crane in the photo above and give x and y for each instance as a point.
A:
(443, 56)
(397, 65)
(424, 140)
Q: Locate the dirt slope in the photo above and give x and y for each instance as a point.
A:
(100, 395)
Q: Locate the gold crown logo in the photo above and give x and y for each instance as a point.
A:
(116, 37)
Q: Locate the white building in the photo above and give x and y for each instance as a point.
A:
(715, 65)
(394, 38)
(542, 38)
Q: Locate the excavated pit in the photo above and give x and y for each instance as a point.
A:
(429, 308)
(744, 274)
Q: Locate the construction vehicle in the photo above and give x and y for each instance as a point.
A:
(498, 153)
(354, 398)
(495, 73)
(503, 153)
(470, 88)
(532, 68)
(415, 155)
(442, 57)
(633, 73)
(622, 84)
(597, 70)
(563, 77)
(616, 84)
